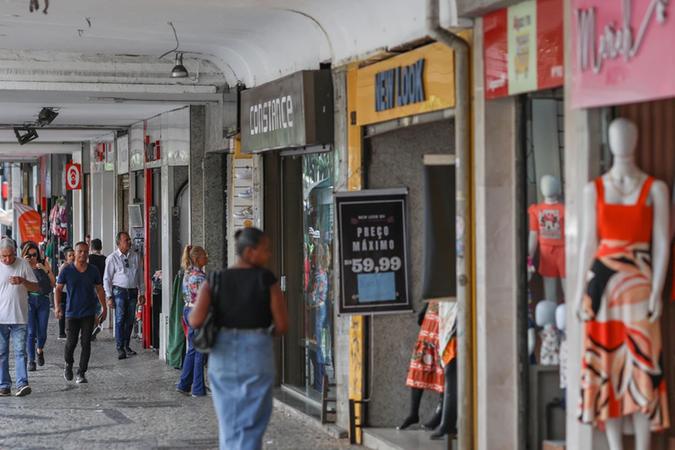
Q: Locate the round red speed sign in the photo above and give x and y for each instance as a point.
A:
(73, 177)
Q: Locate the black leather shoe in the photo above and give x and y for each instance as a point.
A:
(130, 352)
(121, 354)
(31, 366)
(68, 373)
(41, 358)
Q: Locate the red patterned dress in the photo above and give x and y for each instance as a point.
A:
(425, 370)
(622, 359)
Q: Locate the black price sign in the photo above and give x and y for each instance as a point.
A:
(372, 227)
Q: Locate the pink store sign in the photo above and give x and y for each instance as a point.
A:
(623, 51)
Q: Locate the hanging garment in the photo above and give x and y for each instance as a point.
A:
(621, 370)
(563, 362)
(548, 221)
(549, 353)
(176, 348)
(425, 371)
(447, 329)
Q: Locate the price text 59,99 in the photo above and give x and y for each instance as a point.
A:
(369, 265)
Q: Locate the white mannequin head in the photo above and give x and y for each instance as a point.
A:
(623, 136)
(560, 317)
(550, 186)
(544, 314)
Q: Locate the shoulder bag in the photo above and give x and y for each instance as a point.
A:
(205, 336)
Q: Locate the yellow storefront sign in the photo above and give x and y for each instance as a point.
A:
(416, 82)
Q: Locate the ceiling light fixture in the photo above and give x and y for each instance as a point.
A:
(25, 134)
(179, 70)
(46, 116)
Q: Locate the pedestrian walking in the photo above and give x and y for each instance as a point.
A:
(85, 289)
(69, 258)
(38, 306)
(248, 309)
(16, 279)
(124, 288)
(97, 259)
(192, 376)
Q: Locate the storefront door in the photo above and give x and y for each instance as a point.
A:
(301, 216)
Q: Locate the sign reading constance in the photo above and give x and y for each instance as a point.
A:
(372, 227)
(294, 111)
(622, 51)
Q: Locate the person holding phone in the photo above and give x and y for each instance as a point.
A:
(38, 306)
(85, 288)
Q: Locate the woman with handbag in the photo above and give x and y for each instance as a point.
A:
(248, 309)
(192, 376)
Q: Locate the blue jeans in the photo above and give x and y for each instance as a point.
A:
(18, 334)
(192, 375)
(38, 319)
(241, 373)
(125, 314)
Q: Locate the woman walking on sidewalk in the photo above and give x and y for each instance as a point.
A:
(38, 306)
(192, 377)
(249, 309)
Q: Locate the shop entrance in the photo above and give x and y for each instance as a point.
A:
(301, 216)
(542, 275)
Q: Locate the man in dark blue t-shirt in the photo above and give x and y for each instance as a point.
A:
(85, 290)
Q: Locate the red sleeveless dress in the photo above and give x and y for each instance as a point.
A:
(622, 360)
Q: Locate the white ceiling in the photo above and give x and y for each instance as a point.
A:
(250, 40)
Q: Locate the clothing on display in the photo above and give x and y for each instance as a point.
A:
(447, 330)
(58, 219)
(563, 362)
(425, 370)
(622, 354)
(548, 221)
(176, 347)
(549, 353)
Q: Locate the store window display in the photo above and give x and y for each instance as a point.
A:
(625, 243)
(433, 367)
(547, 236)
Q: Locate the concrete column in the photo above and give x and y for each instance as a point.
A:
(106, 206)
(207, 192)
(197, 174)
(342, 323)
(495, 141)
(95, 210)
(582, 147)
(78, 204)
(167, 183)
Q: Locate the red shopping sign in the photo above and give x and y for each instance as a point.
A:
(73, 177)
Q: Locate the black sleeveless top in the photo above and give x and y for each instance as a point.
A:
(241, 297)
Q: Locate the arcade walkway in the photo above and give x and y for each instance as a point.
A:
(129, 404)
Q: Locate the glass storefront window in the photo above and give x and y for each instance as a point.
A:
(318, 222)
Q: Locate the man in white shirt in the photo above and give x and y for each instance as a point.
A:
(16, 279)
(124, 288)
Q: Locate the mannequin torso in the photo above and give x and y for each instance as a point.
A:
(625, 246)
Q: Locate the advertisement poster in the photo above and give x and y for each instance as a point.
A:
(522, 38)
(372, 229)
(30, 223)
(523, 48)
